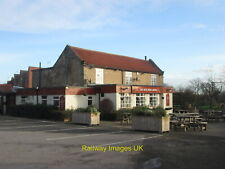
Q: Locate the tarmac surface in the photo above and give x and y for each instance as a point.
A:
(38, 144)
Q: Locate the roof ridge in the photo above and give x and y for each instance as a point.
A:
(108, 53)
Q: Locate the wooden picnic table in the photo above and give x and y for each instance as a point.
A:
(126, 118)
(188, 121)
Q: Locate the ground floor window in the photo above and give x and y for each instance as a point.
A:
(44, 100)
(140, 99)
(56, 101)
(153, 100)
(90, 100)
(125, 100)
(23, 99)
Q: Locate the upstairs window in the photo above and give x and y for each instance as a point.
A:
(153, 80)
(99, 78)
(128, 78)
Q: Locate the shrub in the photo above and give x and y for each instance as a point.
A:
(159, 112)
(68, 114)
(107, 110)
(109, 116)
(35, 111)
(106, 106)
(146, 111)
(121, 111)
(142, 111)
(81, 110)
(92, 109)
(89, 109)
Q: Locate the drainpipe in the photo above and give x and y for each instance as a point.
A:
(99, 97)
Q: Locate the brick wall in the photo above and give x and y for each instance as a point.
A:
(118, 77)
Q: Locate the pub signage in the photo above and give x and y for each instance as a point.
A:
(140, 89)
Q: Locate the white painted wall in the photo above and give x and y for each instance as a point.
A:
(112, 97)
(79, 101)
(33, 99)
(29, 100)
(171, 102)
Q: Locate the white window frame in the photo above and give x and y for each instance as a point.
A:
(140, 99)
(153, 100)
(128, 77)
(23, 99)
(90, 98)
(153, 79)
(99, 76)
(43, 99)
(125, 100)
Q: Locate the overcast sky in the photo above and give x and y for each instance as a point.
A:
(185, 38)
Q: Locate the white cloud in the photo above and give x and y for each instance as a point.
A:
(40, 15)
(205, 2)
(199, 26)
(44, 15)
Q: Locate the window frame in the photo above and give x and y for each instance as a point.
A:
(128, 78)
(140, 99)
(23, 99)
(125, 100)
(55, 100)
(44, 100)
(153, 100)
(90, 100)
(153, 79)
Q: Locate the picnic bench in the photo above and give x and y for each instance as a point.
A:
(213, 115)
(125, 118)
(188, 121)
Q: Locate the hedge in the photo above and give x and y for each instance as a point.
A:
(37, 112)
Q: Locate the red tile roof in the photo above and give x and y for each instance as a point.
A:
(6, 88)
(108, 60)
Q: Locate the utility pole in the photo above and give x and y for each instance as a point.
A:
(39, 82)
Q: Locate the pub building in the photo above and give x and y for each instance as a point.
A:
(82, 77)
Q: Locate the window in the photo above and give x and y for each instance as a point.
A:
(140, 99)
(89, 100)
(153, 80)
(99, 76)
(128, 78)
(56, 101)
(44, 100)
(102, 95)
(23, 99)
(125, 100)
(153, 100)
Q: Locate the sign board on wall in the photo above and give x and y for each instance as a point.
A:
(167, 99)
(141, 89)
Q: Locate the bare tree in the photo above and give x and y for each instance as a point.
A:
(195, 85)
